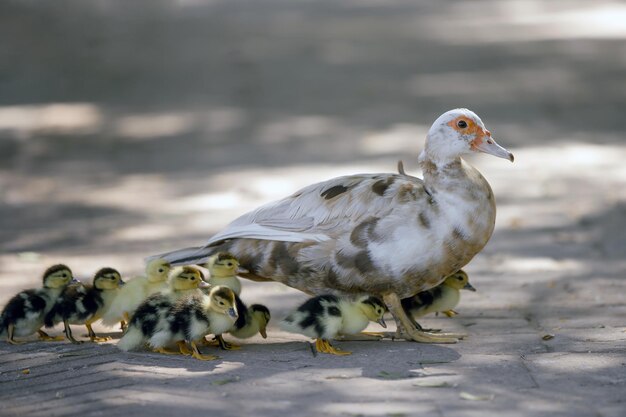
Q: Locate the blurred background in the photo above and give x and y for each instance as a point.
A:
(128, 128)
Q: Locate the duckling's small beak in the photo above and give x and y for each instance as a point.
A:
(74, 281)
(381, 321)
(469, 286)
(233, 313)
(203, 284)
(241, 270)
(121, 283)
(263, 332)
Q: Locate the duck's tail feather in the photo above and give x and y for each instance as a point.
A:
(194, 255)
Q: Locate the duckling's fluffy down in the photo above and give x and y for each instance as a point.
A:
(129, 297)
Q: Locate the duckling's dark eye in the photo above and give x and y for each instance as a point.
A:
(462, 124)
(64, 276)
(460, 278)
(193, 278)
(221, 303)
(229, 264)
(160, 270)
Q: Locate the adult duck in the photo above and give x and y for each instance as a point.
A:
(388, 235)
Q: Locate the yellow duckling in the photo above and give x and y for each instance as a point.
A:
(223, 268)
(185, 281)
(250, 321)
(24, 314)
(161, 321)
(85, 304)
(135, 291)
(326, 316)
(440, 299)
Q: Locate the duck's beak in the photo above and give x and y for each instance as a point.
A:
(263, 332)
(381, 321)
(74, 281)
(121, 283)
(469, 286)
(203, 284)
(241, 270)
(485, 143)
(233, 313)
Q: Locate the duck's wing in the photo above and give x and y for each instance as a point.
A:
(316, 213)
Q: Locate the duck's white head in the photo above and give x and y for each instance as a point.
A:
(460, 132)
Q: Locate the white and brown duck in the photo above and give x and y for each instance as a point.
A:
(389, 235)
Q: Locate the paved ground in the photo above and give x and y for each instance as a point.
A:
(128, 128)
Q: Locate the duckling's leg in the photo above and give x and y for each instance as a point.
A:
(43, 336)
(183, 348)
(224, 345)
(92, 335)
(68, 333)
(406, 325)
(207, 342)
(196, 353)
(10, 332)
(165, 351)
(324, 346)
(124, 322)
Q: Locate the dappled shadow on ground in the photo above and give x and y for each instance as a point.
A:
(127, 130)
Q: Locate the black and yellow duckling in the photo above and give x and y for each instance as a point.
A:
(162, 322)
(441, 299)
(185, 281)
(24, 314)
(326, 316)
(135, 291)
(84, 304)
(250, 321)
(223, 269)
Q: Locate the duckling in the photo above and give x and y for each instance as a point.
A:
(251, 320)
(135, 291)
(161, 321)
(440, 299)
(224, 268)
(326, 316)
(85, 304)
(186, 281)
(24, 314)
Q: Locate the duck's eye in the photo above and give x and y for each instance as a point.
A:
(462, 124)
(160, 270)
(221, 303)
(64, 276)
(230, 264)
(460, 278)
(193, 278)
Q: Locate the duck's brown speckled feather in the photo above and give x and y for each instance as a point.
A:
(374, 233)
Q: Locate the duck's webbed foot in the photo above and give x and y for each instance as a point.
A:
(362, 337)
(407, 328)
(196, 353)
(45, 337)
(324, 346)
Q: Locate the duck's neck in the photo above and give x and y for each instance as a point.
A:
(442, 172)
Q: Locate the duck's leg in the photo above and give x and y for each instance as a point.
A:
(92, 334)
(196, 353)
(324, 346)
(406, 325)
(68, 333)
(183, 348)
(43, 336)
(125, 321)
(165, 351)
(224, 345)
(10, 335)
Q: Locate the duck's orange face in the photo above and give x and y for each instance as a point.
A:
(479, 138)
